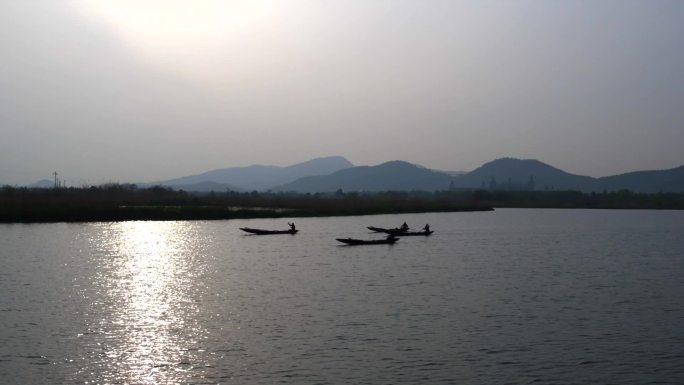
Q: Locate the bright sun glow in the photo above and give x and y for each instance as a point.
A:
(188, 36)
(179, 22)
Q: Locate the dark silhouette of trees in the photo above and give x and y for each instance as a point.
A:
(115, 202)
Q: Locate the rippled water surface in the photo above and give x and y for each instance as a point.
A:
(504, 297)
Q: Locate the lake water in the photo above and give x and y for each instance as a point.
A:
(503, 297)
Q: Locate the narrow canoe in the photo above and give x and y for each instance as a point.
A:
(267, 232)
(352, 241)
(395, 230)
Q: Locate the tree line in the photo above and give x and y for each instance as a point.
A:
(128, 202)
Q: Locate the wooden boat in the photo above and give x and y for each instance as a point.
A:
(354, 242)
(267, 232)
(405, 233)
(395, 230)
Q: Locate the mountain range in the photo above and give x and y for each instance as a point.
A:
(257, 177)
(334, 173)
(395, 175)
(330, 174)
(531, 174)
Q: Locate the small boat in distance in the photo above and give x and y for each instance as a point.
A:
(401, 231)
(267, 232)
(396, 230)
(354, 242)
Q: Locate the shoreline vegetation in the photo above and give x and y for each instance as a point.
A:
(117, 202)
(122, 202)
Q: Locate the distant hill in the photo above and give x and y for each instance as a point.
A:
(260, 177)
(531, 174)
(523, 174)
(394, 175)
(671, 180)
(43, 183)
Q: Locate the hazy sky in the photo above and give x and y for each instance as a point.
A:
(147, 90)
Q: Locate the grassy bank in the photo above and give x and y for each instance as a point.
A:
(126, 202)
(623, 199)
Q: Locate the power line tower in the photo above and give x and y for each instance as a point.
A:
(55, 174)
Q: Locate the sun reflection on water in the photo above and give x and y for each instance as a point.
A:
(153, 289)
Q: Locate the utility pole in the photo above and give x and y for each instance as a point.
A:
(55, 174)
